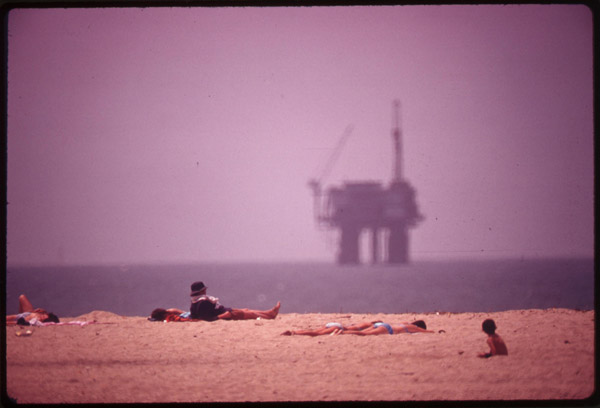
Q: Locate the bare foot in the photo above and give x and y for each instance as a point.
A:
(287, 333)
(275, 311)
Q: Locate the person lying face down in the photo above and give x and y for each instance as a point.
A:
(208, 308)
(364, 329)
(28, 315)
(418, 326)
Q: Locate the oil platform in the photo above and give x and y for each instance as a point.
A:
(386, 213)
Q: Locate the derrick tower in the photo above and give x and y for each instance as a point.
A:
(385, 212)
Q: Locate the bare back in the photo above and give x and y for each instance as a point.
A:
(497, 345)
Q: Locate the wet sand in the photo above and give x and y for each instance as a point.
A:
(133, 360)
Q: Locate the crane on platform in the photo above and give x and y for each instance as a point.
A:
(397, 136)
(316, 183)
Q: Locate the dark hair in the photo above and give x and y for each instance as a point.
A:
(158, 314)
(52, 318)
(420, 323)
(489, 326)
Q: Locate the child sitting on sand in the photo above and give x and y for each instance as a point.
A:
(497, 346)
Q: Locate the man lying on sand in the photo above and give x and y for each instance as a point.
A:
(29, 316)
(363, 329)
(208, 308)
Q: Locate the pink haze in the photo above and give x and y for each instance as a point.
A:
(189, 134)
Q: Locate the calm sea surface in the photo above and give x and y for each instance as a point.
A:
(424, 286)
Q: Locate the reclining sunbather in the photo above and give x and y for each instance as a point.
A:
(208, 308)
(418, 326)
(28, 315)
(363, 329)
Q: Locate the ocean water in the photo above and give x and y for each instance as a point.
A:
(421, 287)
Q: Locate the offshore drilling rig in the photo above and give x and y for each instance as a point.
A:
(355, 207)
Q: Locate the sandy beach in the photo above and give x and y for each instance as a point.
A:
(130, 359)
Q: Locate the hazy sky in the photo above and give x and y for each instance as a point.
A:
(189, 134)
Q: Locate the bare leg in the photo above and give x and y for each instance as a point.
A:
(247, 314)
(318, 332)
(360, 326)
(367, 332)
(24, 304)
(270, 314)
(334, 330)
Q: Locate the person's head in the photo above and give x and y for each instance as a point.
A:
(198, 289)
(158, 314)
(420, 323)
(52, 318)
(489, 326)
